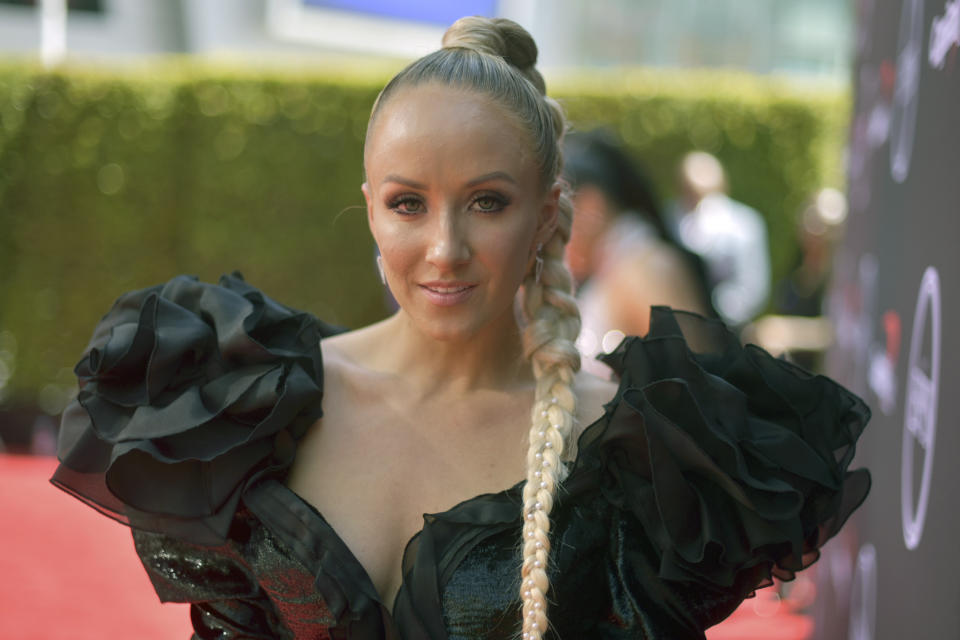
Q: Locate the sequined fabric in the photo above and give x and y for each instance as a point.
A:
(254, 586)
(248, 587)
(713, 468)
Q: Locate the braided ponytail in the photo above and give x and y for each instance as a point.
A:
(553, 325)
(497, 58)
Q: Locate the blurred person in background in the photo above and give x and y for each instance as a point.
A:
(729, 236)
(819, 229)
(650, 507)
(800, 329)
(620, 254)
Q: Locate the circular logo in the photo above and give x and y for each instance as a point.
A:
(904, 117)
(920, 408)
(863, 598)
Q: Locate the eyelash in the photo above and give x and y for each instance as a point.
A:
(500, 203)
(397, 202)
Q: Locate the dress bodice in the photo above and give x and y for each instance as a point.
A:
(713, 468)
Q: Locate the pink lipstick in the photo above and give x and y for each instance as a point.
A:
(447, 294)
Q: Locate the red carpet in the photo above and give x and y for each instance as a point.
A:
(764, 617)
(67, 571)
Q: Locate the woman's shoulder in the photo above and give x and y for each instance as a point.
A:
(189, 392)
(353, 365)
(356, 347)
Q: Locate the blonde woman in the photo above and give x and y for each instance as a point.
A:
(283, 493)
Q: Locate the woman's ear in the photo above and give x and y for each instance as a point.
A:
(547, 222)
(365, 188)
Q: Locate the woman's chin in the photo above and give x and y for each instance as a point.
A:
(450, 324)
(465, 320)
(450, 331)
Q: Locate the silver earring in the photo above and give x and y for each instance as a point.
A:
(538, 266)
(383, 276)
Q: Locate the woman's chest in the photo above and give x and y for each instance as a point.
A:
(460, 575)
(374, 471)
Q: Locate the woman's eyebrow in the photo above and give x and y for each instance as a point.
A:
(493, 175)
(487, 177)
(413, 184)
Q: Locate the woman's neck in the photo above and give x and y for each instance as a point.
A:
(488, 359)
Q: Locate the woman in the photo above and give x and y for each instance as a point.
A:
(620, 252)
(199, 420)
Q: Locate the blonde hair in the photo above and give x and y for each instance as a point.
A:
(497, 57)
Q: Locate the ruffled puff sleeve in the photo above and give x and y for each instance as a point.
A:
(189, 393)
(734, 462)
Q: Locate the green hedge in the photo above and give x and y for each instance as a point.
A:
(112, 180)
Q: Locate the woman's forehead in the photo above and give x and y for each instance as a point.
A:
(435, 108)
(435, 120)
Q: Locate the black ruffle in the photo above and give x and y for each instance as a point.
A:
(734, 462)
(724, 465)
(189, 392)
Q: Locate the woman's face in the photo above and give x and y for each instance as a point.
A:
(456, 206)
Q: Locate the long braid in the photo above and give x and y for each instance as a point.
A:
(554, 322)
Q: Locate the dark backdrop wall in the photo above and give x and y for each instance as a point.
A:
(896, 305)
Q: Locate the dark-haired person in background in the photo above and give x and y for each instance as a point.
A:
(620, 253)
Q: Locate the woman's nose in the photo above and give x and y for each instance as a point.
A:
(448, 246)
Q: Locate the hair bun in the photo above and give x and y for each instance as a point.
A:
(497, 37)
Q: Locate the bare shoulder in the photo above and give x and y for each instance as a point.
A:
(353, 351)
(349, 345)
(337, 355)
(592, 393)
(349, 372)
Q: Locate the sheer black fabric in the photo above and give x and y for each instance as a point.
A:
(188, 393)
(713, 468)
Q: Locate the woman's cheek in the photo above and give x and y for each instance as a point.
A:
(398, 261)
(512, 254)
(398, 255)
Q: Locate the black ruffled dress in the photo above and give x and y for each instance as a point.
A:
(713, 468)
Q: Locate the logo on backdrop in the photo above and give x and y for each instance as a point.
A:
(920, 408)
(944, 34)
(863, 599)
(903, 123)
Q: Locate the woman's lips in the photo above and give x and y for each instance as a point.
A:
(447, 294)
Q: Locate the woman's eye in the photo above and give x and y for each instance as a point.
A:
(407, 206)
(489, 203)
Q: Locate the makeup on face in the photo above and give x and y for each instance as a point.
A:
(454, 203)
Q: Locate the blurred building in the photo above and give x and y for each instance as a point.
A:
(797, 37)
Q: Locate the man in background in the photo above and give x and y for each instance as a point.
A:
(729, 236)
